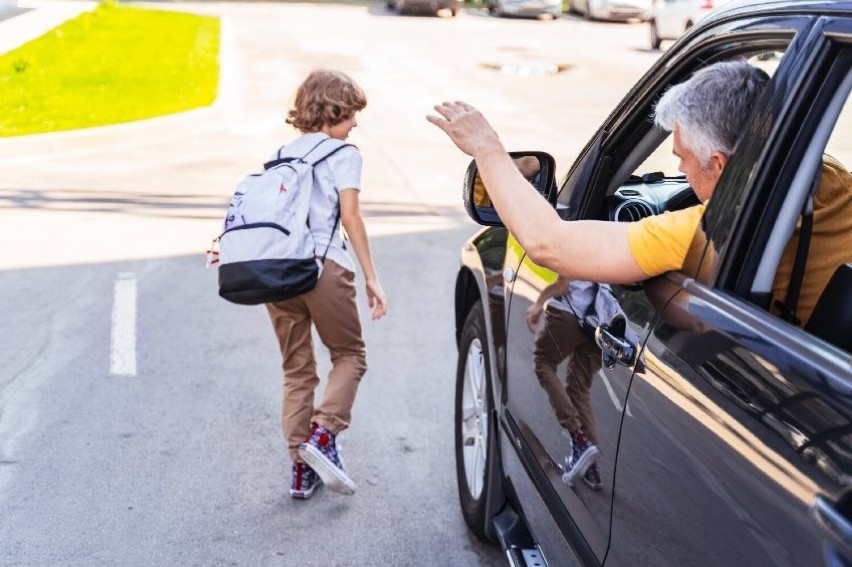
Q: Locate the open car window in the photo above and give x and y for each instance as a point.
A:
(648, 180)
(662, 160)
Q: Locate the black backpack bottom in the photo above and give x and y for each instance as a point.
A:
(267, 281)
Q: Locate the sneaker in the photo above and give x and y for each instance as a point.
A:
(583, 454)
(304, 481)
(592, 478)
(321, 452)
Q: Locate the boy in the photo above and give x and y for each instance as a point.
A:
(325, 107)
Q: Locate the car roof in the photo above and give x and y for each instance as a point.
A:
(782, 6)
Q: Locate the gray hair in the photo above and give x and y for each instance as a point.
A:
(711, 108)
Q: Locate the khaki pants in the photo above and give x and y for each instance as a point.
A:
(562, 338)
(331, 306)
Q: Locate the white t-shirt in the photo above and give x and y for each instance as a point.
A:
(341, 171)
(590, 303)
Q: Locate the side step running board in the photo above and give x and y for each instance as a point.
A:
(515, 538)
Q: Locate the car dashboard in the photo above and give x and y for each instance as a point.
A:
(650, 194)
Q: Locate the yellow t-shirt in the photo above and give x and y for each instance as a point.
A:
(672, 241)
(662, 243)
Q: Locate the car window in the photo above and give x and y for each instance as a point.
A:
(629, 146)
(662, 160)
(822, 302)
(804, 261)
(840, 143)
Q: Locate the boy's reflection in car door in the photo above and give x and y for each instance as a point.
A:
(563, 319)
(546, 409)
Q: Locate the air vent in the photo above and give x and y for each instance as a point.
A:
(630, 211)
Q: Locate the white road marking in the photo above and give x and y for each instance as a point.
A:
(122, 352)
(612, 395)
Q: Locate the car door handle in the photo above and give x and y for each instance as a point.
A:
(615, 348)
(836, 527)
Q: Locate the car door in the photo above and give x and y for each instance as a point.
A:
(532, 411)
(536, 403)
(737, 447)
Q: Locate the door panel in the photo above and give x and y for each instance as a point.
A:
(734, 429)
(535, 405)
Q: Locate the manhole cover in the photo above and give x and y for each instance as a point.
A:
(527, 69)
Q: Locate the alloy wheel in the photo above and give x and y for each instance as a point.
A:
(474, 422)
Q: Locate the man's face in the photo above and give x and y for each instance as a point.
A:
(702, 179)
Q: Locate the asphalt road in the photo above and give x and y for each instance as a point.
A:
(139, 413)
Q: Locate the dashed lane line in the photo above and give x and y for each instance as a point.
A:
(122, 352)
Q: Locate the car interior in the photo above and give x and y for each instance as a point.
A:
(831, 319)
(648, 182)
(832, 316)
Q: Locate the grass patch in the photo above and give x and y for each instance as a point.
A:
(114, 64)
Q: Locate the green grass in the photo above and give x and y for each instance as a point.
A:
(115, 64)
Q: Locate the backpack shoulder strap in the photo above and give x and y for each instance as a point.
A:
(334, 147)
(330, 149)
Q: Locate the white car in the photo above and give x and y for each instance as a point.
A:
(612, 9)
(671, 18)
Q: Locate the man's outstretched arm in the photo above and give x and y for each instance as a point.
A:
(587, 250)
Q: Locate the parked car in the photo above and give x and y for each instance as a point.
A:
(725, 432)
(424, 6)
(618, 10)
(526, 8)
(669, 19)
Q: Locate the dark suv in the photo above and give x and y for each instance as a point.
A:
(725, 432)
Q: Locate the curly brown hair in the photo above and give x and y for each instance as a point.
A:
(325, 98)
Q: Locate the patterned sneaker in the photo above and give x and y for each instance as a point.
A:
(304, 481)
(320, 451)
(583, 454)
(592, 478)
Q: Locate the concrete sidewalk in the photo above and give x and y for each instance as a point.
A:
(30, 19)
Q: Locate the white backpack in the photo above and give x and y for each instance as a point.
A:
(266, 250)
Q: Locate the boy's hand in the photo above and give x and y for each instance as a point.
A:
(376, 299)
(533, 316)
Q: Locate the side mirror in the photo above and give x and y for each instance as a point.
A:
(537, 167)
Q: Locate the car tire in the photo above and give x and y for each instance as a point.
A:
(474, 413)
(654, 35)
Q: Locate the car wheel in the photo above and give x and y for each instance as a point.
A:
(654, 35)
(474, 407)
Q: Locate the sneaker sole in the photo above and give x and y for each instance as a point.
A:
(305, 494)
(579, 468)
(593, 485)
(301, 494)
(332, 476)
